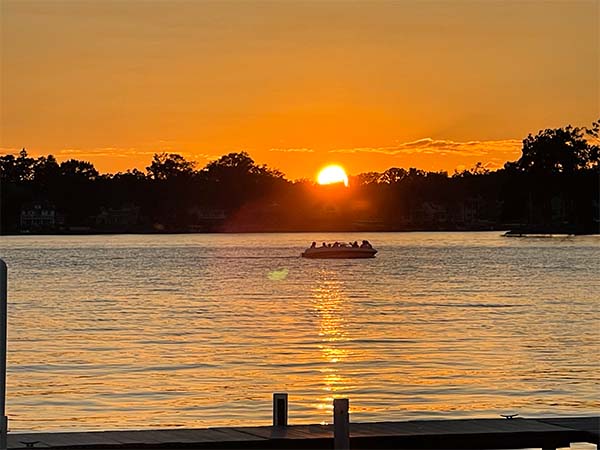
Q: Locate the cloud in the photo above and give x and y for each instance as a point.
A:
(430, 146)
(110, 152)
(203, 155)
(125, 152)
(115, 152)
(292, 150)
(9, 151)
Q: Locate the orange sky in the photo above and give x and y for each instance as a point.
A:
(297, 84)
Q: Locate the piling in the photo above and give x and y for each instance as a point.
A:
(341, 424)
(280, 409)
(3, 322)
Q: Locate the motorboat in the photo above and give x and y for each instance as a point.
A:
(340, 251)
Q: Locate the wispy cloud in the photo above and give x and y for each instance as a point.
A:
(440, 147)
(9, 151)
(115, 152)
(292, 150)
(124, 152)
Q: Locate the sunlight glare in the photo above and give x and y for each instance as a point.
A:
(278, 274)
(332, 174)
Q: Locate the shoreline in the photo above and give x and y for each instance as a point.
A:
(505, 231)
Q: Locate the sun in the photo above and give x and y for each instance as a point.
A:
(332, 174)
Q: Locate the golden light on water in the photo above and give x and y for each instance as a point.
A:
(330, 304)
(332, 174)
(206, 338)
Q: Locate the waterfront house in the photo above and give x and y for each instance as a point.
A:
(39, 216)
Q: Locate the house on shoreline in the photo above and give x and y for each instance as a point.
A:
(40, 217)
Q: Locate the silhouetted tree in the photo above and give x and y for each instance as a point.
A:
(24, 166)
(78, 170)
(478, 169)
(240, 162)
(17, 169)
(367, 178)
(8, 172)
(559, 150)
(393, 175)
(235, 178)
(46, 170)
(236, 165)
(167, 165)
(553, 186)
(133, 174)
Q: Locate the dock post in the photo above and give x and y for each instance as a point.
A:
(280, 409)
(3, 337)
(341, 424)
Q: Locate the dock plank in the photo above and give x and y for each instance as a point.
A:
(417, 434)
(185, 436)
(464, 426)
(588, 426)
(466, 433)
(55, 440)
(290, 432)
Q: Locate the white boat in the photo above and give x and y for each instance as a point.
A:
(339, 252)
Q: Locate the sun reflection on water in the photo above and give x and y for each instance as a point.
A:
(331, 306)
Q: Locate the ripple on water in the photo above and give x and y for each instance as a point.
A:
(195, 330)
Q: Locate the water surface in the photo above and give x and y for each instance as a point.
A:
(116, 332)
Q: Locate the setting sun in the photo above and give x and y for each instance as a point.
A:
(332, 174)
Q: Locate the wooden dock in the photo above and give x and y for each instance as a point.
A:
(546, 433)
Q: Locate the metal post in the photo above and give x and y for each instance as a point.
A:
(280, 410)
(3, 301)
(341, 424)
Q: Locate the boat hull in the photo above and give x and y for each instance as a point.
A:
(339, 253)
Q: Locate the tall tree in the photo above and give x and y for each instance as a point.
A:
(559, 150)
(24, 165)
(168, 165)
(393, 175)
(78, 170)
(229, 166)
(17, 169)
(46, 170)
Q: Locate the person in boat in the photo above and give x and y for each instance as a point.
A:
(336, 244)
(355, 244)
(365, 244)
(323, 245)
(313, 245)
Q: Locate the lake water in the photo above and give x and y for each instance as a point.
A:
(117, 332)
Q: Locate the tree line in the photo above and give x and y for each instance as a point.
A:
(553, 187)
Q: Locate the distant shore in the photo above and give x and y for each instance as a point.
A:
(507, 231)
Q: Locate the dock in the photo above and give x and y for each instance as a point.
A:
(545, 433)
